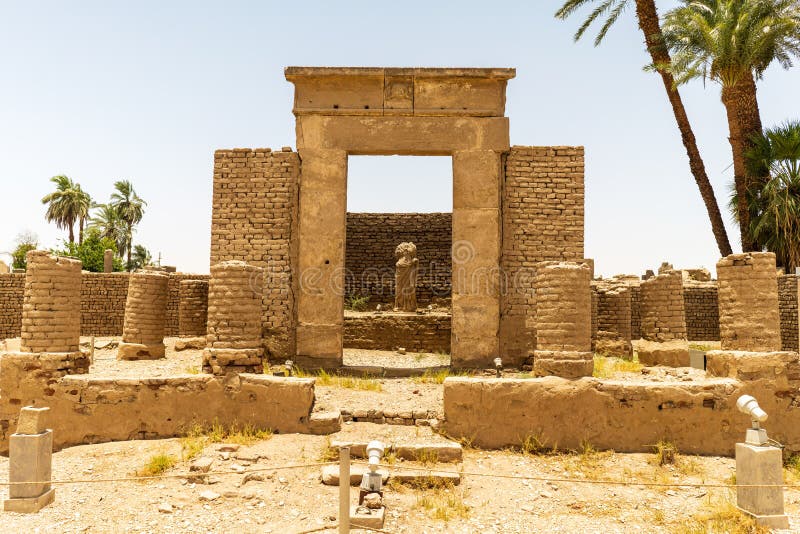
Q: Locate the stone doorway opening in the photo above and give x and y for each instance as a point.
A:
(399, 227)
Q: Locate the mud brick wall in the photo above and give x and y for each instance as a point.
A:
(748, 302)
(12, 287)
(701, 304)
(369, 253)
(543, 220)
(614, 311)
(174, 298)
(253, 210)
(415, 333)
(662, 307)
(193, 308)
(103, 297)
(788, 302)
(636, 310)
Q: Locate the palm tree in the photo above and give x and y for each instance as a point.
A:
(732, 42)
(66, 205)
(141, 257)
(647, 15)
(130, 208)
(107, 221)
(776, 205)
(84, 205)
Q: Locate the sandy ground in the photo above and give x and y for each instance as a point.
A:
(293, 501)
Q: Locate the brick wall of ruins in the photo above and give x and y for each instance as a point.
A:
(173, 299)
(543, 212)
(415, 333)
(788, 301)
(103, 297)
(369, 255)
(253, 209)
(701, 304)
(12, 287)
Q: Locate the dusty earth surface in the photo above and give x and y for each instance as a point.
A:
(294, 500)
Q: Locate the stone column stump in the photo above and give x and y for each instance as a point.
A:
(748, 302)
(664, 340)
(51, 311)
(749, 320)
(234, 342)
(145, 317)
(563, 320)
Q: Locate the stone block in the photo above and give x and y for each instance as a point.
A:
(324, 423)
(32, 420)
(330, 474)
(361, 516)
(669, 353)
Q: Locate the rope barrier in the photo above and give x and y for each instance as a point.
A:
(582, 480)
(190, 474)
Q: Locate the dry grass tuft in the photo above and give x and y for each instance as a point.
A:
(608, 366)
(437, 377)
(157, 464)
(199, 436)
(719, 514)
(339, 381)
(443, 503)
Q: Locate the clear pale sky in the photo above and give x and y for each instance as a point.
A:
(147, 90)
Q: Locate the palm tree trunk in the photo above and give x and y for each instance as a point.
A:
(649, 24)
(72, 232)
(744, 120)
(81, 222)
(130, 246)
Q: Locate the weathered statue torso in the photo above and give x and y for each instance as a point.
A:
(405, 297)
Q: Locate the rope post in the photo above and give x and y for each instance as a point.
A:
(344, 490)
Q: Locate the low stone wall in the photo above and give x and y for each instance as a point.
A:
(12, 288)
(93, 409)
(415, 333)
(698, 417)
(788, 303)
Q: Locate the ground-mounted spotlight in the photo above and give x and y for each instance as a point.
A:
(755, 434)
(498, 366)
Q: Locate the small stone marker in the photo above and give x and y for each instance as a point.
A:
(30, 460)
(32, 420)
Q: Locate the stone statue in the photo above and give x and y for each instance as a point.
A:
(405, 277)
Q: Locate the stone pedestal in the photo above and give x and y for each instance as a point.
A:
(563, 320)
(761, 465)
(30, 464)
(145, 317)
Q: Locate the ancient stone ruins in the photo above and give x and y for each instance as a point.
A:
(504, 276)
